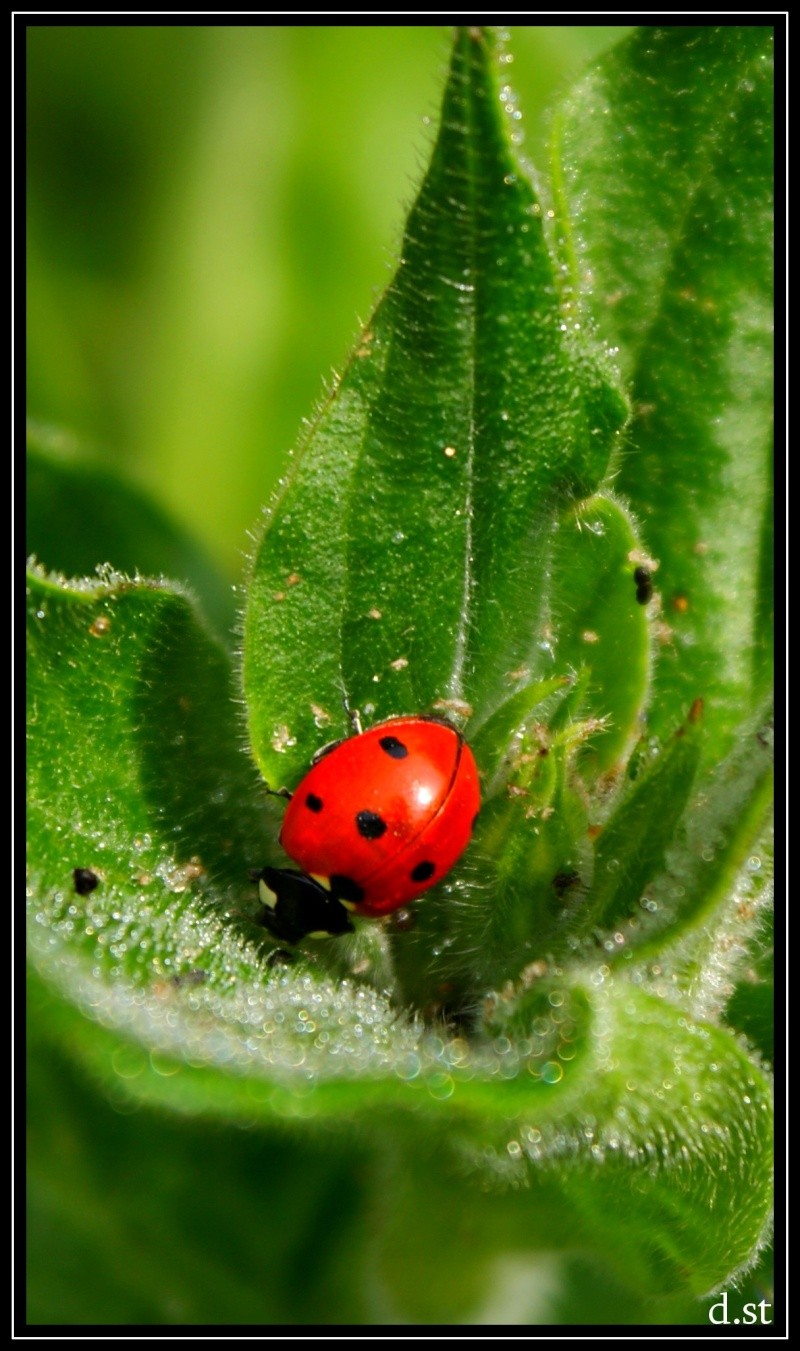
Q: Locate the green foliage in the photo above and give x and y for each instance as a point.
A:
(692, 324)
(551, 1051)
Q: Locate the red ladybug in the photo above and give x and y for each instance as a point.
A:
(378, 819)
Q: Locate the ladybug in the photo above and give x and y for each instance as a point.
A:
(378, 819)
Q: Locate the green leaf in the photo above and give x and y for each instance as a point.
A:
(470, 561)
(204, 1224)
(417, 514)
(663, 154)
(183, 1008)
(601, 627)
(751, 1007)
(126, 681)
(617, 1128)
(79, 516)
(717, 882)
(90, 1219)
(627, 1185)
(490, 743)
(631, 849)
(153, 797)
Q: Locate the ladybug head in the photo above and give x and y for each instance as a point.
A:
(297, 906)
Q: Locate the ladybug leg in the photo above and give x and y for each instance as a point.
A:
(355, 730)
(330, 746)
(355, 720)
(296, 907)
(353, 715)
(280, 792)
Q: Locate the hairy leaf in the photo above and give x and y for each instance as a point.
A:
(405, 560)
(663, 165)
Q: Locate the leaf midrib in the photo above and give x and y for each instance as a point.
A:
(465, 625)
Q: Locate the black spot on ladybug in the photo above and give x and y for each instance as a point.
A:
(370, 825)
(84, 880)
(644, 585)
(313, 802)
(346, 889)
(393, 747)
(422, 872)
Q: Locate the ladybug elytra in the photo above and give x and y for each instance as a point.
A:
(379, 818)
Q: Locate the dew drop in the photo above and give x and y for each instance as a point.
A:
(441, 1086)
(407, 1067)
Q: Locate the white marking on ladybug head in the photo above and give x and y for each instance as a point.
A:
(323, 881)
(268, 896)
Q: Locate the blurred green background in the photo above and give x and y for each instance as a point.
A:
(212, 212)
